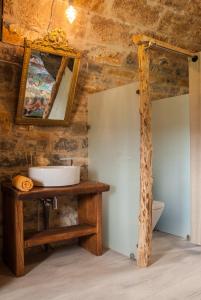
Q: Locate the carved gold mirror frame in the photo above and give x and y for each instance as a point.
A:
(54, 43)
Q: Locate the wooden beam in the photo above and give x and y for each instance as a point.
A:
(13, 234)
(145, 218)
(146, 181)
(89, 211)
(143, 39)
(59, 234)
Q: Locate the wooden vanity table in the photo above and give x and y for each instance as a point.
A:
(89, 230)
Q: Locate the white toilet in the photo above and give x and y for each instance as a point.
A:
(157, 210)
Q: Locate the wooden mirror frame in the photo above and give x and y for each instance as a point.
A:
(54, 42)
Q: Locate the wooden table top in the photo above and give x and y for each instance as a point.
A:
(85, 187)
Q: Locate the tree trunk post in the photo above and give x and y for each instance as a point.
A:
(146, 180)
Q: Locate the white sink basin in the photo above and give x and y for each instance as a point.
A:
(55, 175)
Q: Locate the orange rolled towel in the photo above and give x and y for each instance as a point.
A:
(22, 183)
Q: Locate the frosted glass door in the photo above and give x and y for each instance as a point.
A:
(114, 154)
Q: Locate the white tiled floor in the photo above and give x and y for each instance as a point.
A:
(73, 273)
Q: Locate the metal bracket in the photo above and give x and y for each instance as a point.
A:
(195, 58)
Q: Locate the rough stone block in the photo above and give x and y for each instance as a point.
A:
(109, 31)
(136, 12)
(66, 144)
(91, 5)
(29, 14)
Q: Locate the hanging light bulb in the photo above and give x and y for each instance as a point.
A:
(71, 12)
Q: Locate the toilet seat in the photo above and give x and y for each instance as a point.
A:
(157, 205)
(157, 210)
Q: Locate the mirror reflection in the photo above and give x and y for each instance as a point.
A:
(48, 84)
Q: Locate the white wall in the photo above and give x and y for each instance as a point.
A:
(60, 103)
(171, 163)
(114, 159)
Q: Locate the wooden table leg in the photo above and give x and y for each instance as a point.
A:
(90, 212)
(13, 234)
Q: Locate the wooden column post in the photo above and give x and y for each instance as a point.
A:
(145, 218)
(90, 212)
(13, 233)
(146, 181)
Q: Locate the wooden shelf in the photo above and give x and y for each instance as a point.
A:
(59, 234)
(89, 197)
(85, 187)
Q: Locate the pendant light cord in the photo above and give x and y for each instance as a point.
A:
(51, 14)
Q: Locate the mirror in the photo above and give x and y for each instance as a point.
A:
(48, 82)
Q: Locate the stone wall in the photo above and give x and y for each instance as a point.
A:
(168, 74)
(24, 146)
(102, 32)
